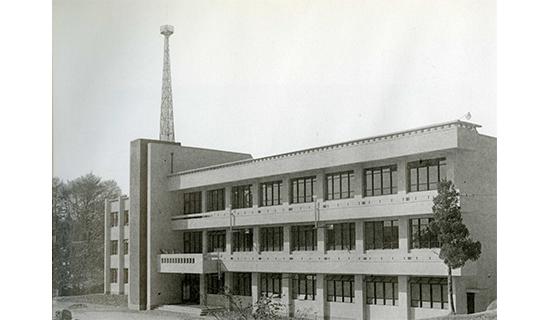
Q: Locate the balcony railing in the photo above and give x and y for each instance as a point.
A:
(186, 263)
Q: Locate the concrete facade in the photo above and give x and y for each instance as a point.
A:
(116, 235)
(162, 172)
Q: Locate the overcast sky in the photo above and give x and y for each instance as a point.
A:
(263, 77)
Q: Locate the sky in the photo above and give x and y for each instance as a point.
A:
(263, 77)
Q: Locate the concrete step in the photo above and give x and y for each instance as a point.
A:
(196, 310)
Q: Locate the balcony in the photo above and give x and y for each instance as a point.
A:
(186, 263)
(401, 204)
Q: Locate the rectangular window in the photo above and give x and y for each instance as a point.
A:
(192, 242)
(242, 240)
(114, 219)
(303, 286)
(125, 275)
(215, 283)
(271, 239)
(114, 247)
(341, 237)
(271, 193)
(126, 217)
(192, 202)
(339, 185)
(241, 197)
(425, 174)
(302, 189)
(114, 275)
(304, 238)
(242, 284)
(215, 200)
(382, 234)
(216, 241)
(420, 234)
(429, 292)
(382, 290)
(340, 288)
(380, 181)
(125, 246)
(270, 284)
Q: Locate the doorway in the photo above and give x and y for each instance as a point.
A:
(471, 302)
(191, 292)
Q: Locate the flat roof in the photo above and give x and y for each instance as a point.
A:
(392, 135)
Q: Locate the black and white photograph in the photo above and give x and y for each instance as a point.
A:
(277, 159)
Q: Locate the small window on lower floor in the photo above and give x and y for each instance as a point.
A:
(114, 275)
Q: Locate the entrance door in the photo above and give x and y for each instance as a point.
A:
(191, 289)
(471, 302)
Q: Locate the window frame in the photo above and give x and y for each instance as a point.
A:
(268, 285)
(416, 166)
(241, 196)
(268, 188)
(216, 239)
(377, 226)
(383, 282)
(296, 186)
(369, 181)
(267, 234)
(333, 280)
(303, 238)
(215, 200)
(241, 241)
(192, 241)
(330, 190)
(309, 281)
(417, 240)
(340, 229)
(421, 284)
(242, 283)
(192, 202)
(215, 283)
(114, 247)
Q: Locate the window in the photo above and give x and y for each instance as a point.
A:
(429, 293)
(242, 284)
(215, 283)
(270, 284)
(340, 288)
(125, 246)
(426, 174)
(420, 234)
(242, 240)
(216, 241)
(302, 190)
(304, 238)
(114, 246)
(303, 286)
(382, 234)
(126, 217)
(241, 197)
(192, 242)
(114, 219)
(271, 239)
(341, 237)
(114, 275)
(271, 193)
(382, 290)
(215, 200)
(125, 275)
(339, 185)
(192, 202)
(380, 181)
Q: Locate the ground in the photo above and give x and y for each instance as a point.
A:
(487, 315)
(110, 307)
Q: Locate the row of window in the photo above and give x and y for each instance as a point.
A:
(341, 236)
(421, 175)
(114, 246)
(114, 218)
(425, 292)
(114, 275)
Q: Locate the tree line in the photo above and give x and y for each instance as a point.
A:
(78, 233)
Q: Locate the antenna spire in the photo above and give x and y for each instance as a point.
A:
(166, 107)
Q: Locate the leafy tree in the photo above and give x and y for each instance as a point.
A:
(457, 247)
(78, 222)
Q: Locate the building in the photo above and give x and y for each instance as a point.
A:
(117, 231)
(336, 231)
